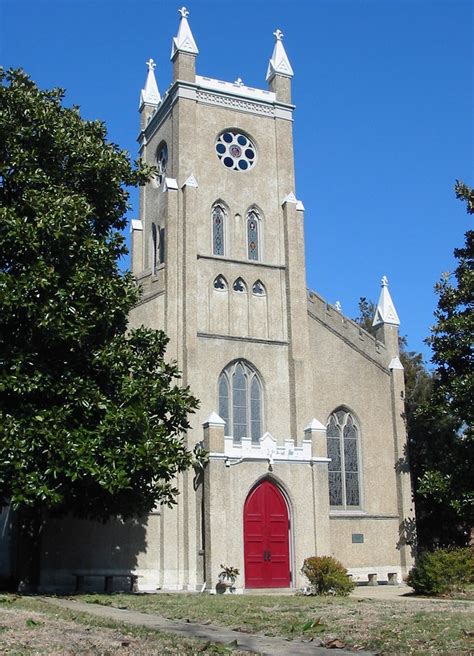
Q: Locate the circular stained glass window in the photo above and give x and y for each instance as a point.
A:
(235, 150)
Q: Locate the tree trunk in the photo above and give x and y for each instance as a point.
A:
(30, 529)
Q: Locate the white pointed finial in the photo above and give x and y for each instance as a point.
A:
(150, 94)
(338, 306)
(239, 82)
(385, 311)
(279, 63)
(184, 40)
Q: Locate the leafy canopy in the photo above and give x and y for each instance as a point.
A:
(91, 416)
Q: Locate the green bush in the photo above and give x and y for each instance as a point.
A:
(327, 576)
(442, 571)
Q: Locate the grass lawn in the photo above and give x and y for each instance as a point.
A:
(31, 626)
(415, 626)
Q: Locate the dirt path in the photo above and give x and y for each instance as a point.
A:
(255, 643)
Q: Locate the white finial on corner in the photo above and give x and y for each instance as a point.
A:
(385, 311)
(184, 40)
(150, 94)
(239, 82)
(279, 64)
(338, 306)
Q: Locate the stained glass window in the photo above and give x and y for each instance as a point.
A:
(239, 286)
(258, 289)
(240, 401)
(342, 445)
(236, 151)
(220, 283)
(252, 236)
(218, 227)
(161, 163)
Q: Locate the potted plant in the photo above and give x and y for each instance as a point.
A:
(227, 577)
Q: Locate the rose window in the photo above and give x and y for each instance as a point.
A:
(235, 151)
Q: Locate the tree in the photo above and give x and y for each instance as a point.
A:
(449, 476)
(91, 416)
(428, 435)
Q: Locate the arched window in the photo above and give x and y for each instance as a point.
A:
(220, 283)
(154, 248)
(218, 229)
(258, 289)
(239, 286)
(343, 449)
(240, 401)
(253, 235)
(161, 249)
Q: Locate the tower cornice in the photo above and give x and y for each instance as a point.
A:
(231, 96)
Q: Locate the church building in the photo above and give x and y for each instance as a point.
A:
(301, 410)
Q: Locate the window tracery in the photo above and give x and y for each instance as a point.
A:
(240, 401)
(239, 286)
(218, 229)
(220, 283)
(253, 235)
(343, 449)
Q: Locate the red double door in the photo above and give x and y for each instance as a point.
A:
(266, 538)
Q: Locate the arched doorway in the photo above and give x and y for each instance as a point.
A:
(266, 538)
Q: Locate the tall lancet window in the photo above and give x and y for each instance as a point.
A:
(253, 236)
(343, 449)
(154, 248)
(218, 229)
(240, 401)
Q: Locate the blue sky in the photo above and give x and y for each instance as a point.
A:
(383, 125)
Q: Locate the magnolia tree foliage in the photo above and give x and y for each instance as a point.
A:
(91, 416)
(449, 476)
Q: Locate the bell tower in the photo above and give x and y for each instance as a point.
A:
(218, 247)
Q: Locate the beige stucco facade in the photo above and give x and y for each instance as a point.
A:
(310, 359)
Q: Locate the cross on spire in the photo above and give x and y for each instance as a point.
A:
(184, 12)
(278, 34)
(151, 64)
(384, 281)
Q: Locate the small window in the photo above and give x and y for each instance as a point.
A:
(218, 229)
(154, 248)
(253, 229)
(220, 283)
(342, 444)
(258, 289)
(235, 150)
(161, 162)
(239, 286)
(240, 402)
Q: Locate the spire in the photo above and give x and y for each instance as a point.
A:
(150, 94)
(279, 64)
(385, 312)
(184, 41)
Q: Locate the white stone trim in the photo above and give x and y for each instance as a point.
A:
(213, 420)
(241, 104)
(235, 89)
(136, 224)
(170, 183)
(395, 364)
(315, 425)
(268, 449)
(299, 206)
(191, 182)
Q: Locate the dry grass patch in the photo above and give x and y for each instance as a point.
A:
(30, 626)
(390, 627)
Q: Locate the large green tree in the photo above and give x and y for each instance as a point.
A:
(91, 416)
(448, 476)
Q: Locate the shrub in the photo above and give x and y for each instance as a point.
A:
(327, 576)
(442, 571)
